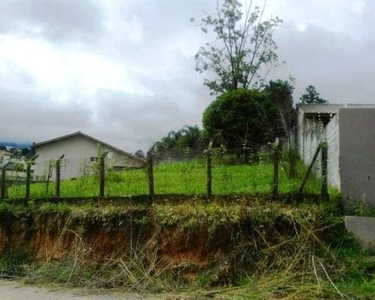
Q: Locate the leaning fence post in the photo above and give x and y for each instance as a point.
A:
(102, 174)
(324, 193)
(309, 169)
(276, 162)
(150, 173)
(58, 173)
(28, 176)
(48, 176)
(209, 171)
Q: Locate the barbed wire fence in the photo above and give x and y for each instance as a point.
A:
(202, 172)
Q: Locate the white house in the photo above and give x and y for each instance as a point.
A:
(81, 154)
(4, 156)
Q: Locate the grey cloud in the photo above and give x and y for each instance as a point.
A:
(166, 18)
(58, 19)
(366, 27)
(340, 66)
(16, 76)
(164, 24)
(141, 120)
(27, 116)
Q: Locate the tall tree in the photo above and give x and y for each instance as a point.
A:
(311, 96)
(243, 47)
(281, 94)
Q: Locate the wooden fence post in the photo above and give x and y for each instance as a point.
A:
(309, 169)
(28, 176)
(102, 174)
(150, 173)
(58, 173)
(3, 186)
(48, 176)
(3, 182)
(209, 171)
(276, 162)
(324, 193)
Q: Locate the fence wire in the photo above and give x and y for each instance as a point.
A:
(233, 173)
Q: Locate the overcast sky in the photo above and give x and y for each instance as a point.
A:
(124, 70)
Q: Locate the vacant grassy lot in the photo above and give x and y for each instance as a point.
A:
(187, 177)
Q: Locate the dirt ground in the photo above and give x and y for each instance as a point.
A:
(13, 290)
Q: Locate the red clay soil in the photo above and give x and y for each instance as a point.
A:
(53, 236)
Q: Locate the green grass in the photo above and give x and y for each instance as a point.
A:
(187, 177)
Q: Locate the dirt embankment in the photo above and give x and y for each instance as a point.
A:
(185, 237)
(55, 236)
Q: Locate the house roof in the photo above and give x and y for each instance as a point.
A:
(79, 133)
(329, 108)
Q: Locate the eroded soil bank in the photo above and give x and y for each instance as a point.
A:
(167, 245)
(192, 231)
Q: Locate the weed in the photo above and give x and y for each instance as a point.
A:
(13, 261)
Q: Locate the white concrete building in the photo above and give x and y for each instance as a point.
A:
(312, 129)
(349, 132)
(81, 154)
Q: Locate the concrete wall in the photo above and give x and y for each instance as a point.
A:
(357, 155)
(300, 133)
(78, 151)
(332, 133)
(314, 134)
(362, 229)
(310, 134)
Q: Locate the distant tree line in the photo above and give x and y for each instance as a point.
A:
(188, 138)
(19, 152)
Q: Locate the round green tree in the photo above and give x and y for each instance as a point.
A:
(241, 118)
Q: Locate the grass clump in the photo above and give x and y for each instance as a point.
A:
(13, 261)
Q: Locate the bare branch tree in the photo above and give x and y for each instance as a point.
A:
(243, 45)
